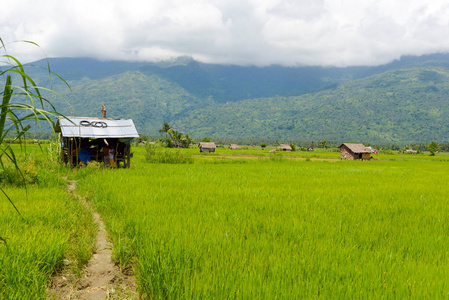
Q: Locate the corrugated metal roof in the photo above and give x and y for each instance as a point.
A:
(96, 127)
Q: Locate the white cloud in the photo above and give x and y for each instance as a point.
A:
(246, 32)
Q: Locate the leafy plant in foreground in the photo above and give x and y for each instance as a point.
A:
(20, 104)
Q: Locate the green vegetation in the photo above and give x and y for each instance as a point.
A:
(160, 155)
(324, 144)
(165, 129)
(237, 224)
(53, 231)
(174, 138)
(22, 101)
(241, 223)
(391, 107)
(48, 229)
(433, 148)
(401, 103)
(279, 228)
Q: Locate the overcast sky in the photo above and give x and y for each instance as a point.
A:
(243, 32)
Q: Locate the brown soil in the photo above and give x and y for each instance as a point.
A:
(101, 279)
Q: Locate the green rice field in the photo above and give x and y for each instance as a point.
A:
(244, 224)
(280, 228)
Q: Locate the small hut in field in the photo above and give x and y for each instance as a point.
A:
(284, 147)
(354, 151)
(233, 147)
(207, 147)
(85, 139)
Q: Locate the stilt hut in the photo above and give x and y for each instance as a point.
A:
(207, 146)
(354, 151)
(104, 140)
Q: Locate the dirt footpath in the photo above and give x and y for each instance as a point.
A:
(101, 279)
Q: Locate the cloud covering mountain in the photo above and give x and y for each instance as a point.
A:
(243, 32)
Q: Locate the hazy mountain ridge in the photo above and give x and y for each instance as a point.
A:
(401, 102)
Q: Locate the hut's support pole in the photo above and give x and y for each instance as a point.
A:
(70, 154)
(77, 145)
(128, 155)
(116, 161)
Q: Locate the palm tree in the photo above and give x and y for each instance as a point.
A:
(165, 128)
(177, 137)
(187, 140)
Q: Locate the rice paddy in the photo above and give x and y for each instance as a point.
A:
(280, 229)
(297, 225)
(53, 231)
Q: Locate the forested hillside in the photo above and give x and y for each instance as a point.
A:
(400, 106)
(401, 102)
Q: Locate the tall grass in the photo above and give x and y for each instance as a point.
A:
(288, 229)
(162, 155)
(54, 230)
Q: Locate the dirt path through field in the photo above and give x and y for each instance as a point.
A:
(101, 279)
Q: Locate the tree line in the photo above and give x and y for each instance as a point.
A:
(174, 138)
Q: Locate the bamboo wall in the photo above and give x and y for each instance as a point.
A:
(346, 153)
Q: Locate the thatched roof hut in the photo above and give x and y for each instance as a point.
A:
(207, 146)
(354, 151)
(284, 147)
(233, 147)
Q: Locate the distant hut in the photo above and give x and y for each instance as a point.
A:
(233, 147)
(207, 147)
(411, 151)
(284, 147)
(354, 151)
(310, 149)
(85, 139)
(176, 144)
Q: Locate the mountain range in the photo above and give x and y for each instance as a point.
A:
(401, 102)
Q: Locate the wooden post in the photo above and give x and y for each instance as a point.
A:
(116, 162)
(70, 154)
(77, 145)
(128, 156)
(103, 112)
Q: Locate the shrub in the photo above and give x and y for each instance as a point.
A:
(26, 174)
(276, 157)
(157, 155)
